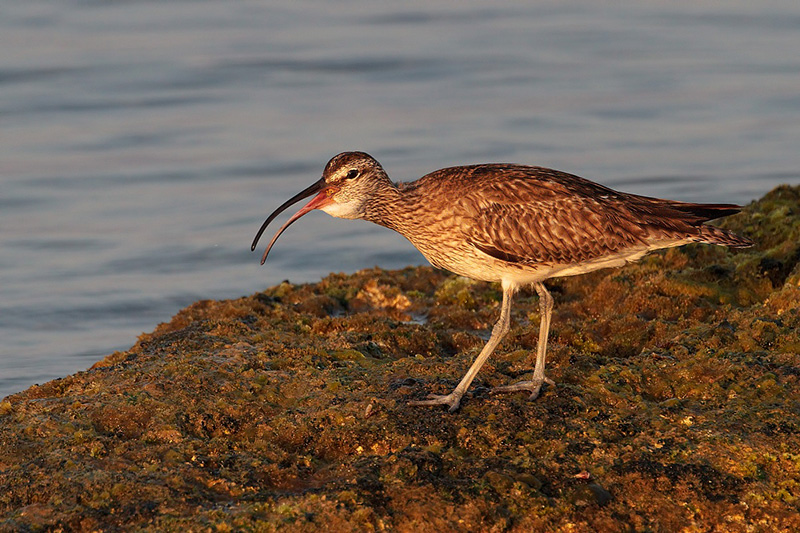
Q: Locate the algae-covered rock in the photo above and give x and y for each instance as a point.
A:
(676, 406)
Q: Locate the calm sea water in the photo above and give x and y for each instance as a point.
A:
(142, 143)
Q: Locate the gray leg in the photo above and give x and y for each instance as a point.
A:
(535, 384)
(498, 332)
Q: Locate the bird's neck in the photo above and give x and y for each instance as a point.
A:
(386, 207)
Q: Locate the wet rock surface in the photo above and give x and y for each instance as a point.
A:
(676, 406)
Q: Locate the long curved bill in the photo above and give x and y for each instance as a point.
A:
(319, 200)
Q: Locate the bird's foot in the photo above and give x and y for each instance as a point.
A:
(453, 400)
(534, 386)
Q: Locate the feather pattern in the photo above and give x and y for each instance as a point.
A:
(532, 215)
(493, 221)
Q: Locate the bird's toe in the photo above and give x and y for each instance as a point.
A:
(452, 400)
(533, 386)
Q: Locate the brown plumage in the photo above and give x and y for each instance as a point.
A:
(513, 224)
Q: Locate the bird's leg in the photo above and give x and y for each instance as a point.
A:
(535, 383)
(498, 332)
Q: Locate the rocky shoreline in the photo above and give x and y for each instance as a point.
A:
(676, 406)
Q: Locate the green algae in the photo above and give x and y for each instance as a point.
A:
(677, 406)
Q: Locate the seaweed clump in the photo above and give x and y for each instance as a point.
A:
(677, 406)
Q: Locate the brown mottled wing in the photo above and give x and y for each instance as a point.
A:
(536, 215)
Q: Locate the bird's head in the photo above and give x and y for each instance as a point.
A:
(349, 180)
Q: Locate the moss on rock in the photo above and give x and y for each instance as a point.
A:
(677, 406)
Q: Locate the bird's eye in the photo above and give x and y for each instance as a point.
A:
(352, 174)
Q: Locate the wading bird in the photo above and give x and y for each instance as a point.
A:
(513, 224)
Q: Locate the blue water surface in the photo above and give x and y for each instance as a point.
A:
(143, 143)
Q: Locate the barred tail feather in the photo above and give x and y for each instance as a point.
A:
(723, 237)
